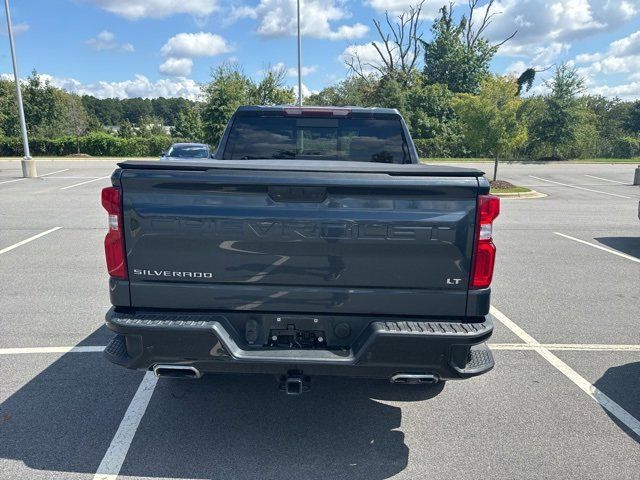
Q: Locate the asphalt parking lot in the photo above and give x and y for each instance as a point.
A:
(562, 402)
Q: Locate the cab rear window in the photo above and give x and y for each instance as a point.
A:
(378, 140)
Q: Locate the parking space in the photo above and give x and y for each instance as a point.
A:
(59, 413)
(74, 415)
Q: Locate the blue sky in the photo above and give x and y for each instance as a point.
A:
(154, 48)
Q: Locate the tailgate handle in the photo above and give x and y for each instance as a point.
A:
(297, 194)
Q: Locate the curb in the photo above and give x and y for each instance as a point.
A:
(522, 195)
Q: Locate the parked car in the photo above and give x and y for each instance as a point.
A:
(315, 244)
(188, 151)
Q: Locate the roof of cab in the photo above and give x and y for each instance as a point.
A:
(353, 109)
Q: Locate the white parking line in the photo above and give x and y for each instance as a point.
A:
(39, 176)
(53, 173)
(16, 245)
(117, 452)
(84, 183)
(14, 180)
(21, 351)
(614, 252)
(581, 188)
(576, 347)
(603, 400)
(63, 177)
(606, 179)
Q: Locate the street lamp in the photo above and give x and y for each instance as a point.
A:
(299, 59)
(28, 164)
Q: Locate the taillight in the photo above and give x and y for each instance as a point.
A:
(114, 241)
(484, 254)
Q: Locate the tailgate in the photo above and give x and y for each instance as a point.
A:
(290, 241)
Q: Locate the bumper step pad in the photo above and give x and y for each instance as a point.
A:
(116, 351)
(480, 360)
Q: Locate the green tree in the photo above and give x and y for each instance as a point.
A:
(272, 89)
(135, 109)
(43, 107)
(150, 126)
(558, 126)
(228, 89)
(631, 117)
(188, 125)
(108, 111)
(75, 117)
(169, 108)
(126, 129)
(459, 55)
(8, 109)
(490, 120)
(432, 121)
(354, 90)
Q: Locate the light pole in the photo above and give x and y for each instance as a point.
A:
(28, 164)
(299, 59)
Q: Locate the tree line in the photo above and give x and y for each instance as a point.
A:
(453, 104)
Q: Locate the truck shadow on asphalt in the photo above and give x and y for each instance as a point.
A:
(622, 386)
(223, 426)
(628, 245)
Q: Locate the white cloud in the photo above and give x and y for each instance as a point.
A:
(106, 40)
(306, 91)
(540, 22)
(139, 86)
(542, 57)
(626, 46)
(588, 57)
(18, 28)
(613, 64)
(622, 56)
(430, 9)
(293, 71)
(599, 69)
(180, 67)
(629, 91)
(516, 68)
(367, 54)
(278, 18)
(189, 45)
(137, 9)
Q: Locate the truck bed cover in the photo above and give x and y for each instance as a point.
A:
(420, 170)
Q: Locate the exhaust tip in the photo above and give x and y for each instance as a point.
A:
(176, 371)
(415, 379)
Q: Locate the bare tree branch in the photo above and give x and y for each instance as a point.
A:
(398, 47)
(473, 34)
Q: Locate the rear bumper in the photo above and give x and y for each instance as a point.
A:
(448, 349)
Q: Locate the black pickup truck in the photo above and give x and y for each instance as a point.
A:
(314, 243)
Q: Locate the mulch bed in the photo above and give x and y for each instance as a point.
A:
(501, 184)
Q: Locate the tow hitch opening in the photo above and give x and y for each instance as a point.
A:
(295, 383)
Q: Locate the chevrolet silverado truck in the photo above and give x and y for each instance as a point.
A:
(313, 243)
